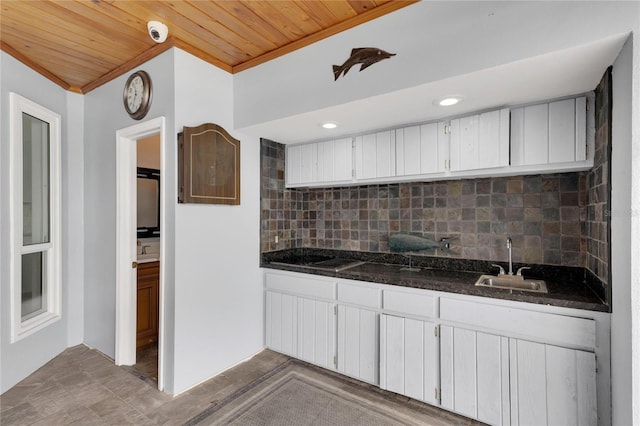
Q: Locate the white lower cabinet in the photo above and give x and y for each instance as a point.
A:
(316, 332)
(474, 374)
(500, 380)
(494, 362)
(301, 327)
(358, 343)
(282, 323)
(409, 357)
(551, 385)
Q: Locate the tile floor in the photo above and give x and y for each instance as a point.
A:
(83, 387)
(147, 363)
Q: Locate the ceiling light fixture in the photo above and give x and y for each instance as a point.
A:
(329, 125)
(449, 101)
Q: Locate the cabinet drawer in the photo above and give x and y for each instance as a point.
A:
(519, 322)
(358, 295)
(410, 303)
(300, 285)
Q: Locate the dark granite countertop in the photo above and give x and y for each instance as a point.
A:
(567, 285)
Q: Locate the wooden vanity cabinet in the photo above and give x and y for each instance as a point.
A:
(147, 304)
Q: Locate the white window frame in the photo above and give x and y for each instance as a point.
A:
(52, 266)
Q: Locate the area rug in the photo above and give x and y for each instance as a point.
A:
(298, 394)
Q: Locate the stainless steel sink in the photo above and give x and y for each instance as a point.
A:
(512, 283)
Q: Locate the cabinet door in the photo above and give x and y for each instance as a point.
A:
(335, 160)
(551, 385)
(316, 332)
(282, 322)
(293, 164)
(358, 343)
(421, 149)
(147, 300)
(474, 370)
(480, 141)
(549, 133)
(301, 164)
(375, 155)
(409, 358)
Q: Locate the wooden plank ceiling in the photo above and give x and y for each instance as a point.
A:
(82, 44)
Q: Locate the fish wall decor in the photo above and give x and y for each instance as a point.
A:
(365, 56)
(406, 242)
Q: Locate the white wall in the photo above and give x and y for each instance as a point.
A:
(218, 294)
(20, 359)
(73, 215)
(430, 46)
(104, 115)
(625, 228)
(635, 230)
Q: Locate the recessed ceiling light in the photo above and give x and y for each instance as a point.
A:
(329, 125)
(448, 101)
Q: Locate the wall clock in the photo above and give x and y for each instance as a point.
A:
(137, 95)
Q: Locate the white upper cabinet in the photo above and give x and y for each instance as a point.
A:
(335, 160)
(480, 141)
(375, 155)
(319, 163)
(301, 164)
(550, 133)
(544, 138)
(422, 150)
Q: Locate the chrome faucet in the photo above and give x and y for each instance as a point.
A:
(510, 274)
(509, 244)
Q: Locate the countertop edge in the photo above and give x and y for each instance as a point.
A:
(448, 287)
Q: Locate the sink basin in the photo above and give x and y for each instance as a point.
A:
(148, 257)
(537, 286)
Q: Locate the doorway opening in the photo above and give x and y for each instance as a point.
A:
(140, 248)
(148, 173)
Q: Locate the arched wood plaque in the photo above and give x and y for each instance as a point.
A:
(208, 166)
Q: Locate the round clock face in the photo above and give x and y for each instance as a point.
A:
(137, 95)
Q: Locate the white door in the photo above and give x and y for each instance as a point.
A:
(551, 385)
(422, 149)
(474, 370)
(316, 332)
(358, 343)
(335, 160)
(409, 358)
(549, 133)
(301, 164)
(282, 321)
(293, 162)
(480, 141)
(375, 155)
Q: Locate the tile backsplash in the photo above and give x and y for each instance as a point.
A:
(541, 214)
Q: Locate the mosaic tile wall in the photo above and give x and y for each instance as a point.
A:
(540, 213)
(275, 220)
(597, 226)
